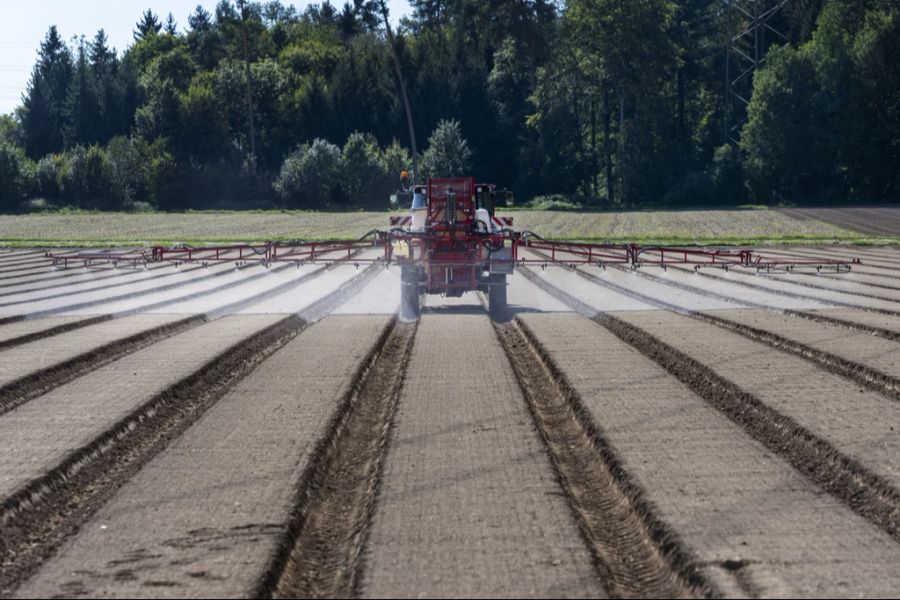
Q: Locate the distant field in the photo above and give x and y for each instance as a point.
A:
(684, 226)
(879, 220)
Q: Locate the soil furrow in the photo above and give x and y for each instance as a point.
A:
(636, 554)
(860, 373)
(865, 283)
(789, 294)
(154, 290)
(56, 275)
(42, 515)
(866, 493)
(51, 331)
(337, 493)
(26, 287)
(23, 389)
(153, 277)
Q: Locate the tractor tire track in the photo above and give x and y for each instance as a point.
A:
(866, 493)
(23, 389)
(636, 554)
(337, 493)
(38, 518)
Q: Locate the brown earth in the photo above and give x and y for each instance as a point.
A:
(685, 435)
(875, 220)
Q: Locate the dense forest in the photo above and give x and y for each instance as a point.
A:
(605, 103)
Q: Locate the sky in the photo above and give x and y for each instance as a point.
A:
(25, 24)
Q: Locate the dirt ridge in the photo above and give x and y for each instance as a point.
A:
(43, 514)
(864, 492)
(322, 550)
(786, 294)
(862, 374)
(51, 331)
(20, 391)
(857, 372)
(40, 516)
(636, 553)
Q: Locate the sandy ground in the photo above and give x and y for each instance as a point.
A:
(228, 481)
(728, 497)
(468, 500)
(467, 505)
(22, 360)
(858, 422)
(35, 437)
(863, 348)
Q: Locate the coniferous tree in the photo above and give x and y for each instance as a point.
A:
(43, 107)
(149, 25)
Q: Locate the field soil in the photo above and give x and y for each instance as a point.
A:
(206, 517)
(243, 431)
(468, 505)
(883, 220)
(747, 516)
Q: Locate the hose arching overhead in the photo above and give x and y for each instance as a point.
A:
(409, 120)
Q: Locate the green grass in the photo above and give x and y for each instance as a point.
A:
(747, 226)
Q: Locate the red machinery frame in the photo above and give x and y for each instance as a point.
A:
(554, 252)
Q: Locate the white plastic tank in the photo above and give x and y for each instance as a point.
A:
(483, 216)
(418, 212)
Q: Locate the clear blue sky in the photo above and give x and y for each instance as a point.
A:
(25, 24)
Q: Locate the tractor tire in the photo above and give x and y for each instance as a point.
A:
(410, 306)
(497, 306)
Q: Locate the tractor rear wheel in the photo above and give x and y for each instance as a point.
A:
(497, 306)
(410, 307)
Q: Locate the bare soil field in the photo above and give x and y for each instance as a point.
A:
(884, 220)
(243, 431)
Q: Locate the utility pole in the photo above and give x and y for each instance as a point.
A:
(409, 119)
(749, 32)
(242, 7)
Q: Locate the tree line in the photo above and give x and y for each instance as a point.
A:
(600, 102)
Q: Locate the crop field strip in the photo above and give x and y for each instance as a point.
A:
(87, 276)
(636, 553)
(222, 545)
(328, 492)
(878, 323)
(815, 444)
(850, 358)
(851, 361)
(845, 365)
(48, 506)
(745, 514)
(468, 502)
(36, 368)
(33, 330)
(136, 277)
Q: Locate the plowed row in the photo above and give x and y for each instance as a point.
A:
(253, 432)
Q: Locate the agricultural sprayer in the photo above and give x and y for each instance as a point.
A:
(451, 243)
